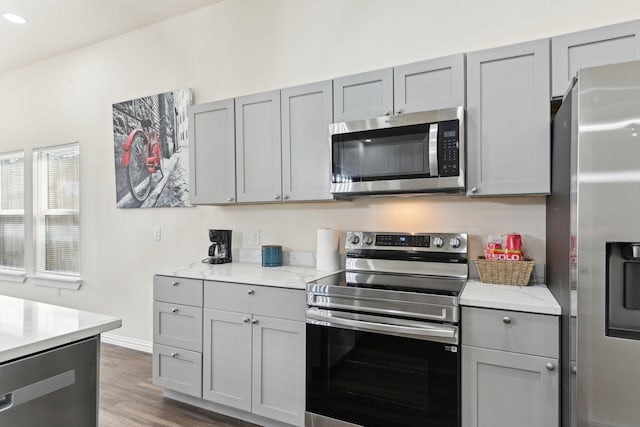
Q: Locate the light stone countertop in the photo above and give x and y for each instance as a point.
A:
(286, 276)
(28, 327)
(532, 299)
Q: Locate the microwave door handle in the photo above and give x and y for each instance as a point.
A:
(433, 149)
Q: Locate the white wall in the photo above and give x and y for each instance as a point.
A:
(240, 47)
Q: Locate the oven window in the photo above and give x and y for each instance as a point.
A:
(381, 380)
(394, 153)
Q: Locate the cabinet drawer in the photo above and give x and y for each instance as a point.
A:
(177, 290)
(253, 299)
(177, 369)
(177, 325)
(511, 331)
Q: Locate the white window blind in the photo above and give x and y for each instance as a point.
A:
(12, 210)
(57, 209)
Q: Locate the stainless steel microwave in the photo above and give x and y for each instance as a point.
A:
(408, 153)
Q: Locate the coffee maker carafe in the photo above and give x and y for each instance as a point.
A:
(220, 249)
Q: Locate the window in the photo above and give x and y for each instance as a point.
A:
(56, 209)
(12, 211)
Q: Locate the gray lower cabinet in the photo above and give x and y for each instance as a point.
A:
(307, 112)
(598, 46)
(510, 370)
(258, 159)
(177, 334)
(254, 350)
(508, 130)
(212, 156)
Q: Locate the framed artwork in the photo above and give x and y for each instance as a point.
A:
(151, 150)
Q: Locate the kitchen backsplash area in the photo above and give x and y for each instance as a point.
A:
(294, 226)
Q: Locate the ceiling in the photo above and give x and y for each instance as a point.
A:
(57, 26)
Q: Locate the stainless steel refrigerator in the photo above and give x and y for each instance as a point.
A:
(593, 245)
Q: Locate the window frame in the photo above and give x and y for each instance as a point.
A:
(41, 211)
(8, 273)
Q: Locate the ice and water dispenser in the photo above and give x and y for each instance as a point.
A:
(623, 290)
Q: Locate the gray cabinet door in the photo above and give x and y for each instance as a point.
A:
(212, 153)
(279, 369)
(508, 141)
(258, 157)
(177, 369)
(226, 355)
(429, 85)
(307, 112)
(177, 325)
(363, 96)
(598, 46)
(502, 389)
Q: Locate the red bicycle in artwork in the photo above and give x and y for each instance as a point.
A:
(142, 159)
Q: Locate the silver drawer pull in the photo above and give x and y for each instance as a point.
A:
(550, 366)
(174, 283)
(255, 321)
(506, 319)
(174, 310)
(246, 319)
(174, 354)
(251, 292)
(6, 401)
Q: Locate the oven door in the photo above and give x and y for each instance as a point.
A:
(380, 378)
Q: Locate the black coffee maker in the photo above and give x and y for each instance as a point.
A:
(220, 249)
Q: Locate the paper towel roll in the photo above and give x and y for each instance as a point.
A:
(327, 252)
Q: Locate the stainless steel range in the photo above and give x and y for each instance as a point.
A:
(383, 335)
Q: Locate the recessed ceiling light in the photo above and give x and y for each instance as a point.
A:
(12, 17)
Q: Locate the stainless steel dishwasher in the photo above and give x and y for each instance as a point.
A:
(57, 387)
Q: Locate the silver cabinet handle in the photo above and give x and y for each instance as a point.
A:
(387, 112)
(254, 321)
(506, 319)
(285, 197)
(251, 292)
(174, 310)
(174, 283)
(246, 319)
(474, 190)
(574, 370)
(276, 197)
(229, 199)
(174, 354)
(399, 111)
(550, 366)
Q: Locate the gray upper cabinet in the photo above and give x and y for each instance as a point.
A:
(258, 159)
(508, 140)
(362, 96)
(429, 85)
(212, 153)
(598, 46)
(307, 112)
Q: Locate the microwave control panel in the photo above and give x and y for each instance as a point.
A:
(448, 148)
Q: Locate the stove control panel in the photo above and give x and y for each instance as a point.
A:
(428, 242)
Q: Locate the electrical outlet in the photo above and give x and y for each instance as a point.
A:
(255, 238)
(157, 233)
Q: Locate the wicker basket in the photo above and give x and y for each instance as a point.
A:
(505, 272)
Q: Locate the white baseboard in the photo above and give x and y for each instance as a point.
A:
(132, 343)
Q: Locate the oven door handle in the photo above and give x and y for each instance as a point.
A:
(429, 332)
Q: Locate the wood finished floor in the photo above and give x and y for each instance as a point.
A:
(129, 399)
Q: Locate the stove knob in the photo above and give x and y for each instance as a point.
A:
(438, 242)
(354, 239)
(454, 242)
(368, 240)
